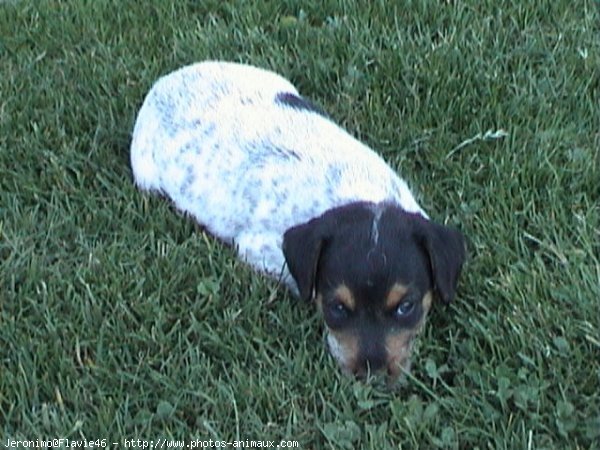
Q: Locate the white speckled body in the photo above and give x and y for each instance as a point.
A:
(214, 139)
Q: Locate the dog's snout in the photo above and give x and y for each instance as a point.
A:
(372, 359)
(370, 366)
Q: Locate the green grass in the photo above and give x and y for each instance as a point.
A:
(120, 319)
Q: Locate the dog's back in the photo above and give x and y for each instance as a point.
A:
(239, 149)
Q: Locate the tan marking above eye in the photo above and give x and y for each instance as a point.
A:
(394, 296)
(426, 301)
(343, 294)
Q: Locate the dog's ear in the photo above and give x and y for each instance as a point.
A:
(447, 252)
(302, 246)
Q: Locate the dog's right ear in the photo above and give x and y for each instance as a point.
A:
(302, 247)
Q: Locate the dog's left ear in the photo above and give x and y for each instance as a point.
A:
(302, 246)
(447, 253)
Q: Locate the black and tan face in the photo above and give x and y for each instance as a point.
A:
(374, 271)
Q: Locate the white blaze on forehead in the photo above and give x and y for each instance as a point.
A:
(378, 212)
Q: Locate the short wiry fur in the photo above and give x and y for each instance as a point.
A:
(263, 169)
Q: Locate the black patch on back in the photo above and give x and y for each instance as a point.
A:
(297, 102)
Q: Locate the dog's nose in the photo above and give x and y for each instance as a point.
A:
(370, 363)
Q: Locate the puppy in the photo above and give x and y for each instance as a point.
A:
(263, 169)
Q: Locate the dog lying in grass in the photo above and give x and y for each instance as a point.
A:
(300, 199)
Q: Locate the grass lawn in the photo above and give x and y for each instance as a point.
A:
(120, 319)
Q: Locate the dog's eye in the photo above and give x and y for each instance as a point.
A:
(338, 311)
(405, 308)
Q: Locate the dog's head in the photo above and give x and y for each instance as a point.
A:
(374, 270)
